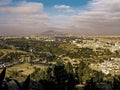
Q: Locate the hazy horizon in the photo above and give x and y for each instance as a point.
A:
(83, 17)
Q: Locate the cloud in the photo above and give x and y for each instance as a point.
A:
(23, 8)
(4, 2)
(62, 7)
(106, 5)
(103, 17)
(23, 18)
(64, 10)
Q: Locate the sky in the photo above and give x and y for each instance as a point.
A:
(83, 17)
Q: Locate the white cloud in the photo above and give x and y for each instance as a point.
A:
(4, 2)
(102, 18)
(23, 8)
(65, 10)
(108, 5)
(22, 19)
(62, 7)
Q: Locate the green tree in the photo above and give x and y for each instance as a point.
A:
(80, 71)
(69, 68)
(90, 85)
(60, 75)
(63, 79)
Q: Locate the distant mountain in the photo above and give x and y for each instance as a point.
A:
(52, 33)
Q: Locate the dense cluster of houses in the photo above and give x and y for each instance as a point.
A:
(95, 43)
(108, 67)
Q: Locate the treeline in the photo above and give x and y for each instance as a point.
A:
(11, 57)
(55, 48)
(62, 77)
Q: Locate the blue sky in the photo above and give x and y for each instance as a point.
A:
(51, 3)
(84, 17)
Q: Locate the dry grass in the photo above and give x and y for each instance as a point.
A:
(25, 68)
(6, 51)
(69, 47)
